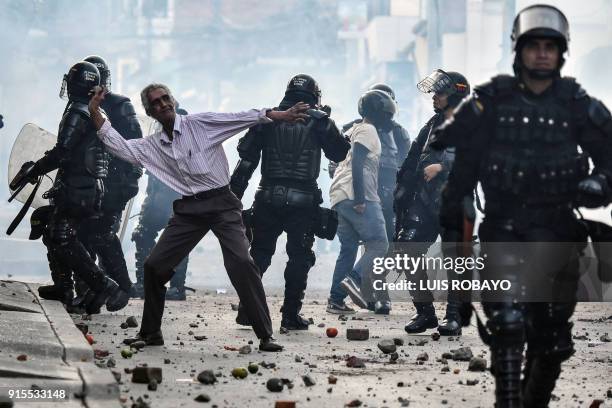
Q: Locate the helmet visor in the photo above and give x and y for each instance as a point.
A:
(437, 82)
(541, 17)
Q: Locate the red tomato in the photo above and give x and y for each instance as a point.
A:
(331, 332)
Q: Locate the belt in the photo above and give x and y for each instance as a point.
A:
(208, 193)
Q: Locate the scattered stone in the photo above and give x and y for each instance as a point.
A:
(609, 393)
(435, 336)
(581, 337)
(207, 377)
(267, 365)
(141, 403)
(234, 307)
(89, 338)
(308, 380)
(98, 353)
(152, 385)
(123, 325)
(167, 361)
(111, 363)
(321, 325)
(357, 334)
(332, 379)
(421, 342)
(202, 398)
(355, 362)
(472, 382)
(140, 344)
(462, 354)
(354, 403)
(22, 357)
(245, 349)
(126, 353)
(394, 357)
(445, 369)
(200, 338)
(423, 357)
(297, 359)
(253, 368)
(447, 356)
(477, 364)
(240, 373)
(144, 375)
(275, 385)
(131, 321)
(387, 346)
(284, 404)
(456, 371)
(398, 342)
(605, 338)
(193, 325)
(343, 318)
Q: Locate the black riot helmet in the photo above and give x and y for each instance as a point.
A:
(377, 106)
(304, 88)
(540, 21)
(383, 87)
(80, 81)
(100, 63)
(452, 84)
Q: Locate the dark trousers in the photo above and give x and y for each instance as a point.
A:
(192, 219)
(269, 222)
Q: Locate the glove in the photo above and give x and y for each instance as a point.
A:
(28, 173)
(593, 191)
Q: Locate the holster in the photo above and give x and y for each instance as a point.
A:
(326, 223)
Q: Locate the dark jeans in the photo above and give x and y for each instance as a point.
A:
(269, 222)
(192, 219)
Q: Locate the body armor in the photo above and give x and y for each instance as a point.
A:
(122, 181)
(82, 159)
(290, 152)
(533, 154)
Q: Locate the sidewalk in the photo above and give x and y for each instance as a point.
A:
(41, 349)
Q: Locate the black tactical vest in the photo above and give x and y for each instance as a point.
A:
(532, 156)
(290, 152)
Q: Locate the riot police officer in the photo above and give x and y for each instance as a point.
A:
(121, 184)
(417, 197)
(155, 212)
(76, 195)
(521, 137)
(288, 198)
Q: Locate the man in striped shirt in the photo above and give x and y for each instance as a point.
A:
(188, 156)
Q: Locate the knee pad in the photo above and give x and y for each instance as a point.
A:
(61, 232)
(506, 324)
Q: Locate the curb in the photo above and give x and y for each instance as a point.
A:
(76, 347)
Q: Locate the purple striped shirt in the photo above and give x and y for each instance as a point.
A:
(194, 161)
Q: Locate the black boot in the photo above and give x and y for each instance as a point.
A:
(294, 322)
(465, 312)
(452, 323)
(541, 374)
(99, 298)
(424, 319)
(61, 290)
(506, 367)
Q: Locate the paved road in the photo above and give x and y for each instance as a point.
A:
(584, 378)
